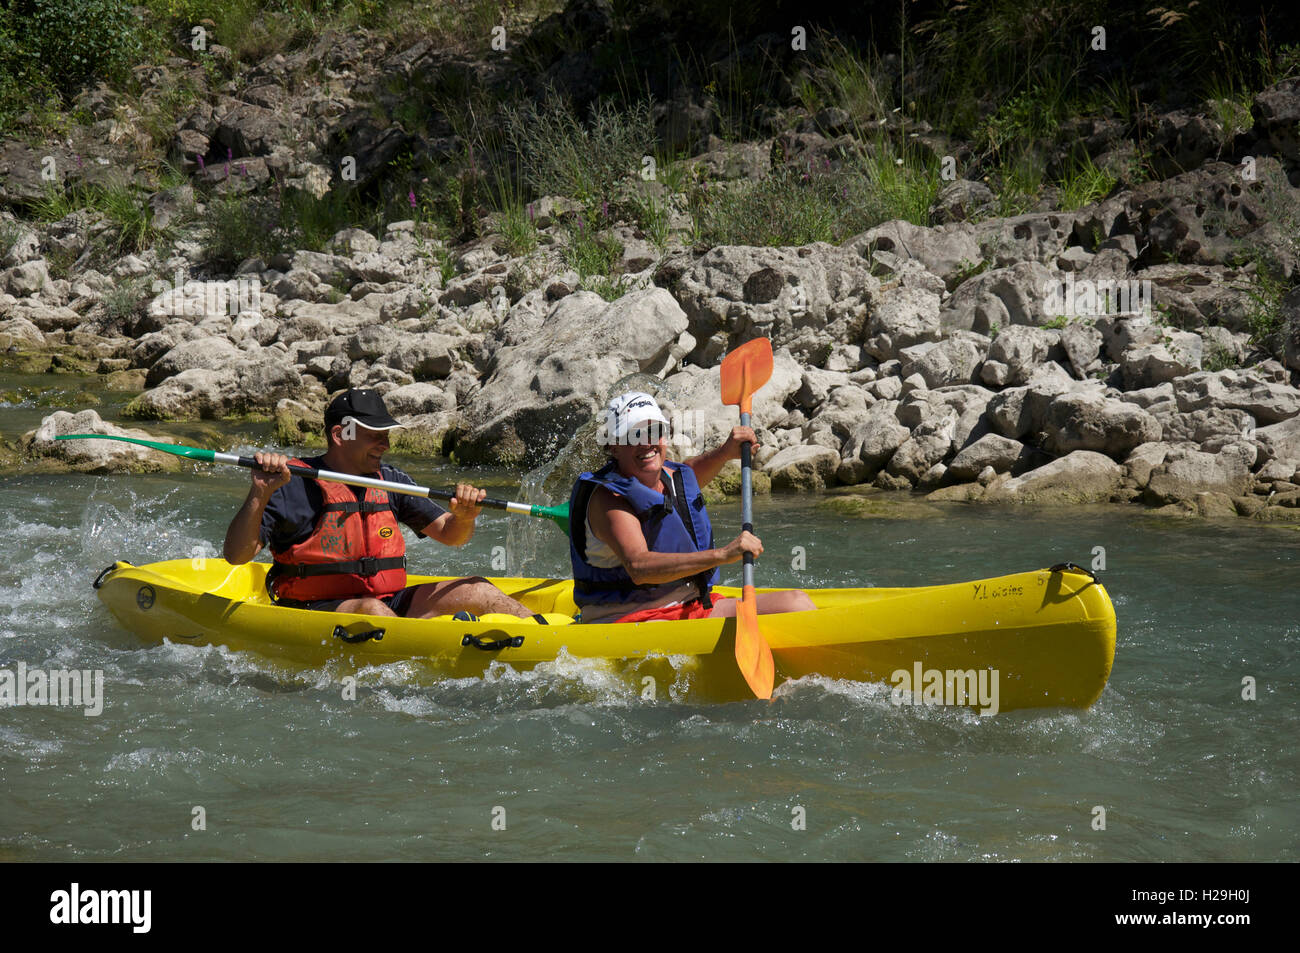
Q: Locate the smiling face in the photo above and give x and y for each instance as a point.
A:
(361, 454)
(642, 456)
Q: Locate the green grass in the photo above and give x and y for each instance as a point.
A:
(1084, 184)
(125, 209)
(1229, 105)
(10, 232)
(559, 154)
(590, 253)
(843, 79)
(236, 227)
(517, 231)
(797, 205)
(1264, 317)
(652, 215)
(1019, 184)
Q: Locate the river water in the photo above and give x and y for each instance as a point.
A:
(568, 762)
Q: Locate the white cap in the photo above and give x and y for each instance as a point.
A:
(625, 412)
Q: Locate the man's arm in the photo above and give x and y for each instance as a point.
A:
(454, 528)
(242, 542)
(709, 465)
(616, 525)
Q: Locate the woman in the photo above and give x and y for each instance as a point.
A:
(641, 543)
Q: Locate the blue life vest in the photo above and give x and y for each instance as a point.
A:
(683, 528)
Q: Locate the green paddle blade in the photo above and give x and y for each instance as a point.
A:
(559, 515)
(176, 450)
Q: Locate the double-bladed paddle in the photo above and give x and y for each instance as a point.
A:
(557, 514)
(744, 371)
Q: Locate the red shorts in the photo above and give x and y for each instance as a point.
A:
(695, 609)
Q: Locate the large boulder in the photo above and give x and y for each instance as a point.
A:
(1097, 423)
(1186, 472)
(952, 361)
(1267, 401)
(807, 299)
(539, 392)
(1280, 441)
(929, 444)
(1078, 477)
(1000, 453)
(1036, 237)
(903, 317)
(1018, 412)
(1082, 346)
(1176, 355)
(242, 387)
(871, 443)
(94, 456)
(1015, 353)
(803, 468)
(949, 251)
(208, 353)
(1276, 111)
(1000, 298)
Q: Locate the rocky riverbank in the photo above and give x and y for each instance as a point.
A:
(1132, 349)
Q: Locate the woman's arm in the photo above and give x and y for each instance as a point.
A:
(615, 525)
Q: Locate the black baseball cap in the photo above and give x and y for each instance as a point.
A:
(366, 407)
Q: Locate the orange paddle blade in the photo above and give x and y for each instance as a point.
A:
(753, 654)
(745, 370)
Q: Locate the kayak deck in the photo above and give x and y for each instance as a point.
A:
(1048, 634)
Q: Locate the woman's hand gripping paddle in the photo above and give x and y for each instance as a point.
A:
(744, 371)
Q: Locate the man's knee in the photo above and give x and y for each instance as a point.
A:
(365, 606)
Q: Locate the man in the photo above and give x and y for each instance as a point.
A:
(339, 548)
(641, 543)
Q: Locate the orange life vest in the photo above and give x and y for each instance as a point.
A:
(356, 549)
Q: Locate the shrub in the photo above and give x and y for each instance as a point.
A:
(76, 42)
(239, 227)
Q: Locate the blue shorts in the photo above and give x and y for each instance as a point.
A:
(399, 602)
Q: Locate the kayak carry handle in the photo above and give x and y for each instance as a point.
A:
(352, 638)
(510, 642)
(1072, 567)
(99, 580)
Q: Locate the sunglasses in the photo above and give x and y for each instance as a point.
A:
(648, 433)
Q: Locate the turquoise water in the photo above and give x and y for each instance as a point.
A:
(575, 765)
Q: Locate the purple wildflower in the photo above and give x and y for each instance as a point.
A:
(410, 197)
(604, 210)
(243, 170)
(200, 158)
(78, 160)
(530, 211)
(230, 153)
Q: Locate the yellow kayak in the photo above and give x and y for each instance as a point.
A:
(1041, 638)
